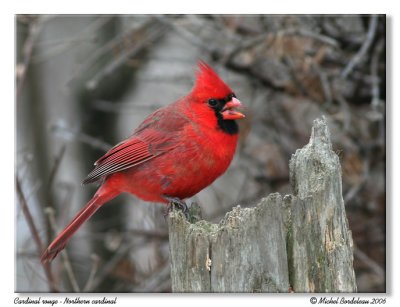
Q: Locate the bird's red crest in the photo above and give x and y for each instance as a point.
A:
(209, 84)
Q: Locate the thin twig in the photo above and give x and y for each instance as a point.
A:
(249, 43)
(364, 47)
(375, 92)
(109, 266)
(63, 45)
(155, 32)
(54, 169)
(68, 134)
(93, 271)
(52, 175)
(195, 40)
(314, 35)
(357, 187)
(150, 233)
(375, 267)
(326, 87)
(66, 261)
(346, 111)
(39, 245)
(295, 77)
(98, 54)
(155, 280)
(22, 68)
(107, 106)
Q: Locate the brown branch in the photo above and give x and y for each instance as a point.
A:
(271, 38)
(323, 77)
(314, 35)
(35, 234)
(356, 188)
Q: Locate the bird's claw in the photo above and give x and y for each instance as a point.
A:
(176, 203)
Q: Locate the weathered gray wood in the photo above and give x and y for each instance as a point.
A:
(190, 251)
(303, 238)
(319, 241)
(247, 250)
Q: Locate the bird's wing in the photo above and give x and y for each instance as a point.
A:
(126, 154)
(155, 136)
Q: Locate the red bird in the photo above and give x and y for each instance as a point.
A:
(176, 152)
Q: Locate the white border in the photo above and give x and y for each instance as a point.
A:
(205, 6)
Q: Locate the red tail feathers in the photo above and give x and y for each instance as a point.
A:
(83, 215)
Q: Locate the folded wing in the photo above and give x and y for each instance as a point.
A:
(124, 155)
(153, 137)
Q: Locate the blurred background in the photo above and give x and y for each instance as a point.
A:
(83, 83)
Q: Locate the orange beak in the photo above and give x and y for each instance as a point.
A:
(229, 112)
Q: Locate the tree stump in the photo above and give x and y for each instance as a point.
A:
(300, 241)
(245, 252)
(320, 246)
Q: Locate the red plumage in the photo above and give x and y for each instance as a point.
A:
(176, 152)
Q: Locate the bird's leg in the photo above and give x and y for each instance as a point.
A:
(175, 202)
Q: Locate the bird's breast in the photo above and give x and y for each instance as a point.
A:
(200, 157)
(214, 150)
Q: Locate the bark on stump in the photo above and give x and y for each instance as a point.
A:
(302, 241)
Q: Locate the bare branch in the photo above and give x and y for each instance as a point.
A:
(109, 266)
(93, 271)
(364, 47)
(22, 68)
(39, 245)
(375, 93)
(185, 34)
(156, 234)
(68, 134)
(107, 106)
(314, 35)
(154, 32)
(64, 45)
(326, 87)
(375, 267)
(56, 165)
(156, 280)
(66, 262)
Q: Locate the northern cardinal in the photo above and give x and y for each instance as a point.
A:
(176, 152)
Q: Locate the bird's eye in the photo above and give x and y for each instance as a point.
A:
(212, 102)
